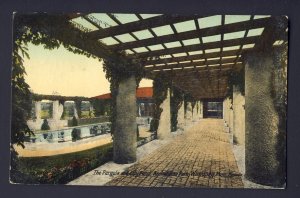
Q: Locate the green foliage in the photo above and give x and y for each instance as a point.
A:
(74, 121)
(279, 93)
(188, 98)
(160, 89)
(45, 125)
(30, 28)
(75, 134)
(78, 107)
(49, 31)
(236, 78)
(118, 70)
(64, 113)
(101, 106)
(21, 96)
(137, 132)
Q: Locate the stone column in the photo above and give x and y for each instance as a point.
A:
(200, 109)
(238, 116)
(189, 114)
(230, 107)
(139, 110)
(164, 127)
(75, 111)
(91, 110)
(262, 120)
(194, 112)
(37, 107)
(56, 110)
(226, 111)
(125, 134)
(180, 116)
(197, 110)
(226, 114)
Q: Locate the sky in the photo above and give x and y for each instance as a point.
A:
(65, 73)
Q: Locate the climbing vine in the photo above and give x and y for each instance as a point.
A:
(21, 96)
(176, 102)
(236, 78)
(51, 32)
(188, 98)
(279, 95)
(38, 29)
(78, 107)
(117, 71)
(100, 107)
(160, 90)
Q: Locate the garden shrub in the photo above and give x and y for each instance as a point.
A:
(74, 121)
(45, 125)
(76, 134)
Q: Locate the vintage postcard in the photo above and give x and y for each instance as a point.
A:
(149, 100)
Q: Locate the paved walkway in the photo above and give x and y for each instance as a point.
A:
(202, 157)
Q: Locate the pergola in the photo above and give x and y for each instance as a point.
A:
(199, 54)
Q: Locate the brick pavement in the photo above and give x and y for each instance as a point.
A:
(201, 157)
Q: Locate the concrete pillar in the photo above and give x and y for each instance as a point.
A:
(125, 134)
(139, 108)
(180, 116)
(197, 110)
(226, 111)
(226, 114)
(91, 110)
(194, 112)
(189, 114)
(164, 127)
(230, 109)
(200, 109)
(75, 111)
(238, 116)
(262, 120)
(37, 107)
(57, 110)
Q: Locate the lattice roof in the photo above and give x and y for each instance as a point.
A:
(197, 52)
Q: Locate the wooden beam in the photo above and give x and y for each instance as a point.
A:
(276, 31)
(204, 46)
(192, 64)
(58, 27)
(140, 25)
(240, 26)
(192, 57)
(74, 15)
(203, 69)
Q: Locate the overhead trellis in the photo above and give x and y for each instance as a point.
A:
(198, 52)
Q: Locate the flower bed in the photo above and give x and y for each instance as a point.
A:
(60, 169)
